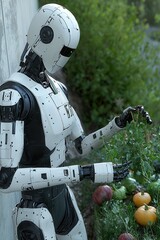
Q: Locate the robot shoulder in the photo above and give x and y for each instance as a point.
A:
(15, 102)
(63, 87)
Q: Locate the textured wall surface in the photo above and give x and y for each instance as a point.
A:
(15, 16)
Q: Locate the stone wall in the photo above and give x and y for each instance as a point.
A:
(15, 16)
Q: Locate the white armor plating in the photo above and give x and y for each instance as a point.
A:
(37, 178)
(59, 122)
(42, 219)
(11, 143)
(57, 118)
(11, 133)
(65, 33)
(99, 138)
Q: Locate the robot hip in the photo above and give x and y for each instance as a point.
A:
(56, 201)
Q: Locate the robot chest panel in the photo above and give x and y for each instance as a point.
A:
(57, 117)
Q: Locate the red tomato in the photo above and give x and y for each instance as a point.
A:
(126, 236)
(102, 194)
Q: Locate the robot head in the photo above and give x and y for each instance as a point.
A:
(53, 35)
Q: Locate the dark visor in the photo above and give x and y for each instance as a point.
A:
(66, 51)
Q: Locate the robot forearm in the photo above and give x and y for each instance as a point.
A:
(98, 138)
(36, 178)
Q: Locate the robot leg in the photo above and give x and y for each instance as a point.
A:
(33, 224)
(78, 232)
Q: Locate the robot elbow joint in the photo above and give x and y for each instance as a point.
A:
(6, 176)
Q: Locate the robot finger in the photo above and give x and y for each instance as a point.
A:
(139, 108)
(144, 113)
(148, 118)
(129, 110)
(121, 171)
(118, 177)
(122, 165)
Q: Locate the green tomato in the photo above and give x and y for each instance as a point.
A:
(130, 184)
(155, 177)
(153, 188)
(120, 193)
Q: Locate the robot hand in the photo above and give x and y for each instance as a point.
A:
(120, 171)
(127, 115)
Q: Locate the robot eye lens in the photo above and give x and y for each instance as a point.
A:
(66, 51)
(46, 34)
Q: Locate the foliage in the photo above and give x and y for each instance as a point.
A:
(141, 145)
(147, 10)
(152, 9)
(113, 65)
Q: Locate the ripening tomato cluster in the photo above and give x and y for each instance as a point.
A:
(145, 214)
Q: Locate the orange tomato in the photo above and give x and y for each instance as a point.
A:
(145, 215)
(141, 198)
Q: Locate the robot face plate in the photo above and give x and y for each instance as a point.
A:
(53, 35)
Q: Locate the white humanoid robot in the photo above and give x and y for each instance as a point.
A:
(39, 127)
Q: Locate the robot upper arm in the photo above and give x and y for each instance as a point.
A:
(10, 105)
(14, 102)
(11, 128)
(13, 111)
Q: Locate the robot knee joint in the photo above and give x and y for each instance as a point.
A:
(28, 230)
